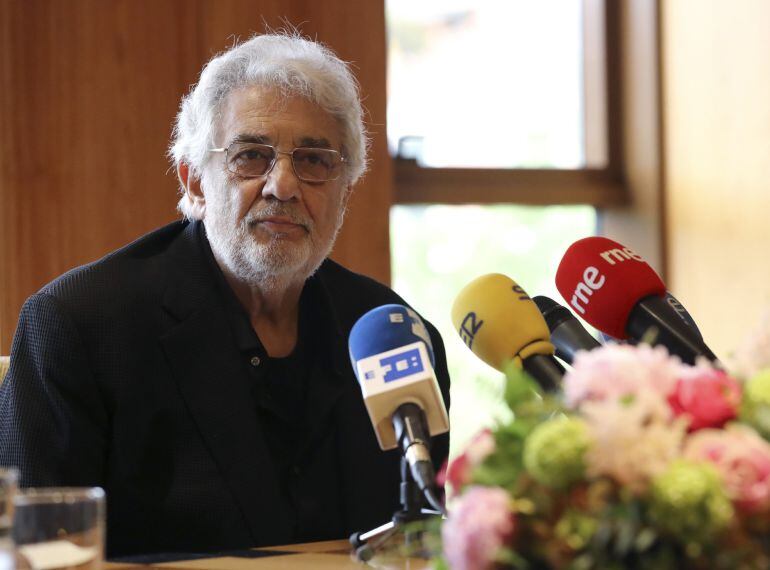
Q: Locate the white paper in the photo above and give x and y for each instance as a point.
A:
(56, 554)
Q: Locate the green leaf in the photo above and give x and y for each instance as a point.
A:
(583, 562)
(645, 539)
(501, 468)
(625, 537)
(519, 387)
(511, 558)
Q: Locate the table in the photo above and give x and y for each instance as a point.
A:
(331, 555)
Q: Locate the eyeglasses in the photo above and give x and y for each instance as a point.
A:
(252, 160)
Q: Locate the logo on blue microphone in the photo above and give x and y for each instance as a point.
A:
(402, 364)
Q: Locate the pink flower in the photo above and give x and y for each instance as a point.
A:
(479, 525)
(616, 371)
(742, 458)
(634, 441)
(706, 396)
(458, 473)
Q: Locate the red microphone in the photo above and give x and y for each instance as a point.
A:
(616, 291)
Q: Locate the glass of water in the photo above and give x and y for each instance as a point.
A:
(8, 482)
(60, 528)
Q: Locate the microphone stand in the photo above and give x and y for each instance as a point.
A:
(366, 544)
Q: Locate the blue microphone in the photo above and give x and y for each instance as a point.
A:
(392, 356)
(384, 328)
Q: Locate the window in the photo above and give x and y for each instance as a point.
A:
(486, 84)
(503, 128)
(504, 102)
(437, 249)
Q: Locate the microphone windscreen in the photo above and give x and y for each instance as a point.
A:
(392, 357)
(603, 280)
(385, 328)
(498, 321)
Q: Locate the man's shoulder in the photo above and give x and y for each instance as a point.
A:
(344, 284)
(352, 294)
(137, 264)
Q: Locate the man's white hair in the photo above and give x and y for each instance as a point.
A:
(288, 62)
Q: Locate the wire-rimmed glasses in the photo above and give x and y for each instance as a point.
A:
(253, 160)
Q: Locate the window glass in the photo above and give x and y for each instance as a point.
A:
(436, 250)
(486, 83)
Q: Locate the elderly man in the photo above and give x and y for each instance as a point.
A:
(200, 374)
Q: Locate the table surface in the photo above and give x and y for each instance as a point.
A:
(333, 554)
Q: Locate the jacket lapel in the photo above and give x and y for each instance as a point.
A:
(331, 378)
(368, 476)
(208, 370)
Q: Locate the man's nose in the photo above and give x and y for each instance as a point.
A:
(281, 182)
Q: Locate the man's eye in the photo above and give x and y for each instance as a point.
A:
(315, 158)
(252, 154)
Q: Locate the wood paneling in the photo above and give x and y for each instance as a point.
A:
(639, 223)
(716, 64)
(89, 92)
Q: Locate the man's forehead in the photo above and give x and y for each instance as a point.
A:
(250, 136)
(261, 114)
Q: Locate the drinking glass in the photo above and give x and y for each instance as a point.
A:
(60, 528)
(8, 479)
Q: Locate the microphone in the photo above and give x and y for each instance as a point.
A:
(498, 321)
(617, 292)
(567, 334)
(392, 356)
(680, 310)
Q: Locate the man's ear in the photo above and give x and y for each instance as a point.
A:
(192, 189)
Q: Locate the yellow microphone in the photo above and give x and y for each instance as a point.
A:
(499, 322)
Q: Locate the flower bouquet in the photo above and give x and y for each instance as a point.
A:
(642, 462)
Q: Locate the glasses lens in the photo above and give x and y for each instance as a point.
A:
(249, 159)
(316, 164)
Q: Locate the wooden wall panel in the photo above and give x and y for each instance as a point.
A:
(639, 224)
(89, 92)
(716, 65)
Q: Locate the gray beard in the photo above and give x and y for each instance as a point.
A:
(271, 265)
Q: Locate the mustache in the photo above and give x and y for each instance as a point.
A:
(279, 209)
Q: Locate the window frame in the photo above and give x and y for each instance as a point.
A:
(600, 186)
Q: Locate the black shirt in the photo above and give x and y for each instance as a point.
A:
(280, 388)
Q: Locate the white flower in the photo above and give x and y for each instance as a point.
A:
(616, 371)
(634, 440)
(754, 354)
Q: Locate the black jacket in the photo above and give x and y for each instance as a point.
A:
(124, 374)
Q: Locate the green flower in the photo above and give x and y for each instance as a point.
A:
(688, 501)
(576, 529)
(554, 452)
(755, 408)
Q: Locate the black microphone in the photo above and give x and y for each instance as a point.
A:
(567, 334)
(682, 312)
(653, 314)
(413, 437)
(675, 304)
